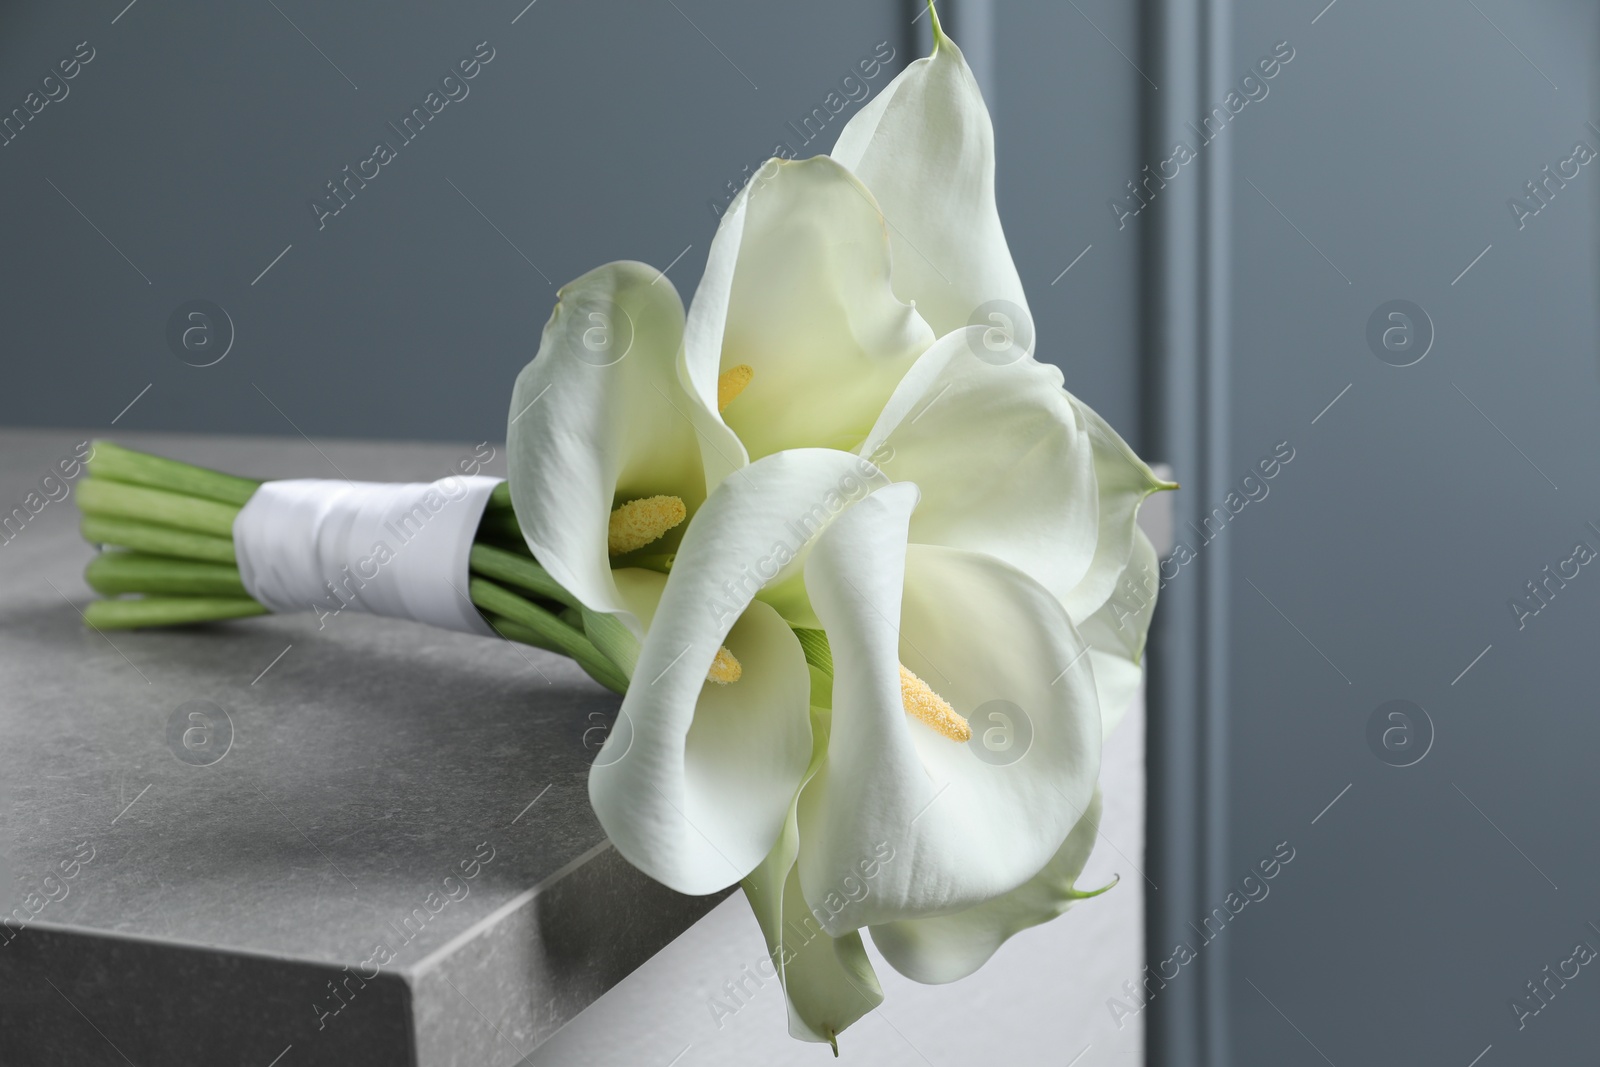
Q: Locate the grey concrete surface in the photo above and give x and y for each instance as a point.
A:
(393, 858)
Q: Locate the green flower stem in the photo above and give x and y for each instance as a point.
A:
(613, 638)
(510, 568)
(522, 635)
(134, 614)
(116, 573)
(157, 540)
(563, 638)
(500, 496)
(104, 498)
(120, 464)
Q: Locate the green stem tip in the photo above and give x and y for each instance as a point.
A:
(141, 612)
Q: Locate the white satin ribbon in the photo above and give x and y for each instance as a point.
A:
(386, 548)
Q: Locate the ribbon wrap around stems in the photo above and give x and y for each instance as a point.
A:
(386, 548)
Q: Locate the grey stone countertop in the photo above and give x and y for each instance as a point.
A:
(395, 799)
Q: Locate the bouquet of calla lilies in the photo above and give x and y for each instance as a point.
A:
(852, 556)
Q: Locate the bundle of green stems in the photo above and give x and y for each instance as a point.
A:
(165, 530)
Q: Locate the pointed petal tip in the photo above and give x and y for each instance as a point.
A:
(1090, 894)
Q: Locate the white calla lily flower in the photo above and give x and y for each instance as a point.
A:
(599, 420)
(1003, 456)
(880, 811)
(796, 334)
(706, 773)
(944, 948)
(973, 632)
(925, 147)
(1116, 633)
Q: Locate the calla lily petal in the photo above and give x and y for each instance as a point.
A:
(1124, 481)
(828, 982)
(640, 590)
(1116, 633)
(1001, 455)
(925, 147)
(697, 792)
(797, 289)
(693, 781)
(983, 636)
(948, 947)
(597, 416)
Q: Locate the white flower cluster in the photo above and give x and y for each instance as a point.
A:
(853, 520)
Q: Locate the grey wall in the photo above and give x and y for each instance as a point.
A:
(195, 139)
(185, 156)
(1382, 562)
(1067, 123)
